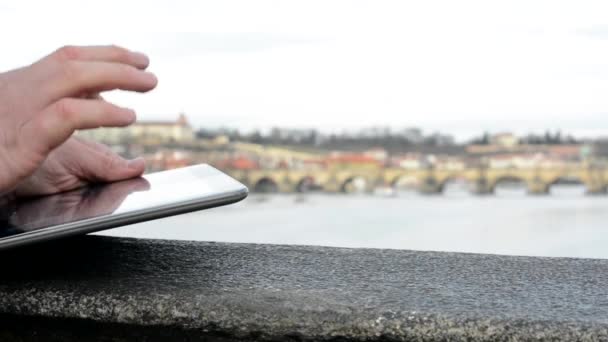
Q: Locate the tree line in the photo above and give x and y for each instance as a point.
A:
(391, 140)
(548, 138)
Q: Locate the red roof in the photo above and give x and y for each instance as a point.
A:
(240, 163)
(566, 151)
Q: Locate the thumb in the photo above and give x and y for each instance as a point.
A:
(103, 164)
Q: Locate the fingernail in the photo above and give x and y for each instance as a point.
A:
(136, 163)
(131, 115)
(152, 77)
(141, 59)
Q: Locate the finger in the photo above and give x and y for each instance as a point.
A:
(109, 53)
(105, 165)
(109, 167)
(119, 168)
(92, 96)
(59, 121)
(76, 77)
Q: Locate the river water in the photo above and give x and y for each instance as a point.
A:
(566, 223)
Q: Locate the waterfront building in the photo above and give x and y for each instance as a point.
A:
(506, 140)
(144, 132)
(167, 159)
(411, 161)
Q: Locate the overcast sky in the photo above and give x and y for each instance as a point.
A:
(457, 66)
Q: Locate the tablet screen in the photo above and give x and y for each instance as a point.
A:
(145, 194)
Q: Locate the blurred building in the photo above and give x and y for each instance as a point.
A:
(238, 163)
(504, 140)
(451, 163)
(411, 161)
(378, 153)
(145, 132)
(166, 159)
(566, 152)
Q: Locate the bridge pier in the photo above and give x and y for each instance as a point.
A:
(481, 187)
(595, 189)
(331, 186)
(430, 190)
(286, 187)
(430, 186)
(538, 188)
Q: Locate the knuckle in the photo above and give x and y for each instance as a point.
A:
(65, 111)
(70, 71)
(68, 53)
(111, 161)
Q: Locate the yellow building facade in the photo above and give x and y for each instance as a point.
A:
(145, 132)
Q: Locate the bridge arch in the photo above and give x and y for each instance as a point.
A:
(404, 181)
(492, 185)
(306, 184)
(443, 183)
(354, 183)
(562, 182)
(266, 185)
(566, 180)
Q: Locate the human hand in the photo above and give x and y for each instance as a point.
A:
(75, 163)
(41, 106)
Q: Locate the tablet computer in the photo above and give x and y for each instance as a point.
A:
(104, 206)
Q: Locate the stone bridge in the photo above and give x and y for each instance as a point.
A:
(432, 180)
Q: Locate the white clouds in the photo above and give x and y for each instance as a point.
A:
(440, 64)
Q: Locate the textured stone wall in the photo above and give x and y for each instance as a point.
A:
(109, 289)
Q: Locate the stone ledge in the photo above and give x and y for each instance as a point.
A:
(99, 288)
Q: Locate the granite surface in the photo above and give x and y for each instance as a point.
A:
(101, 288)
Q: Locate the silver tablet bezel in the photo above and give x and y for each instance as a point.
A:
(116, 220)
